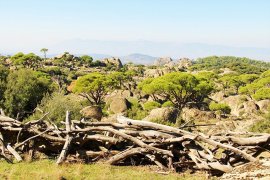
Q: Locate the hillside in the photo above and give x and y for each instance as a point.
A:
(213, 100)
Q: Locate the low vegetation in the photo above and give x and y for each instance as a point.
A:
(46, 169)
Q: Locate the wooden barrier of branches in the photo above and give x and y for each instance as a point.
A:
(129, 142)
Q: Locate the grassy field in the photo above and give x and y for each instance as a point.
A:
(46, 169)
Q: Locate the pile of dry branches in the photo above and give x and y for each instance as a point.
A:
(129, 142)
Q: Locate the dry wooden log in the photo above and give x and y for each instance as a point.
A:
(22, 143)
(99, 137)
(69, 138)
(127, 137)
(154, 159)
(147, 133)
(14, 153)
(125, 120)
(125, 154)
(251, 141)
(228, 147)
(94, 154)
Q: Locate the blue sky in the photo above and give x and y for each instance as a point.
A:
(28, 25)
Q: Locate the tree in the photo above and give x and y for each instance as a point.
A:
(93, 87)
(44, 50)
(178, 87)
(3, 83)
(26, 60)
(25, 89)
(86, 60)
(259, 88)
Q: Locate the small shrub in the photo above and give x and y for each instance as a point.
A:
(151, 105)
(57, 105)
(262, 126)
(168, 104)
(224, 108)
(136, 111)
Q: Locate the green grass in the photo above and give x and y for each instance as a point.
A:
(45, 169)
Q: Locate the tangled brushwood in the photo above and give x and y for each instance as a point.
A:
(130, 142)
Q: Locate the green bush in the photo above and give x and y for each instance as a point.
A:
(151, 105)
(263, 93)
(24, 90)
(224, 108)
(262, 126)
(57, 105)
(168, 104)
(136, 111)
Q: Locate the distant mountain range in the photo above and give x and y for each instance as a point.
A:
(136, 58)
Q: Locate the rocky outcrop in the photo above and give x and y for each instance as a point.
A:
(241, 105)
(113, 61)
(117, 94)
(219, 96)
(264, 105)
(250, 107)
(196, 114)
(119, 105)
(92, 112)
(162, 61)
(166, 114)
(66, 56)
(157, 72)
(184, 63)
(153, 73)
(235, 103)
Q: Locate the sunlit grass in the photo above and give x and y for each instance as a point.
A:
(46, 169)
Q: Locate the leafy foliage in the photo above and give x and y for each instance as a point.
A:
(149, 105)
(25, 89)
(224, 108)
(94, 87)
(136, 111)
(259, 89)
(26, 60)
(241, 65)
(56, 105)
(178, 87)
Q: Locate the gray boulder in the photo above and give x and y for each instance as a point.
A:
(114, 61)
(264, 105)
(196, 114)
(92, 112)
(184, 63)
(162, 61)
(119, 105)
(166, 114)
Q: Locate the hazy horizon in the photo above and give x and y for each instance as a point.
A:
(154, 27)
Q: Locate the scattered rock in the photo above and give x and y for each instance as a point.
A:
(250, 107)
(167, 114)
(264, 105)
(119, 105)
(196, 114)
(92, 112)
(113, 61)
(153, 73)
(162, 61)
(236, 104)
(219, 96)
(184, 63)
